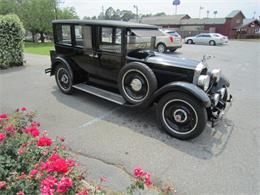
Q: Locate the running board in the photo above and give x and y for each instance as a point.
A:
(113, 97)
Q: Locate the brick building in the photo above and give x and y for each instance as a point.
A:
(235, 25)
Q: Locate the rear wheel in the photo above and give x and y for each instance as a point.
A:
(136, 82)
(161, 48)
(212, 43)
(189, 41)
(181, 115)
(64, 79)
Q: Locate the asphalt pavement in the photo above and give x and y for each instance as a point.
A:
(112, 140)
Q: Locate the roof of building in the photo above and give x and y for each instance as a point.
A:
(248, 21)
(199, 21)
(106, 23)
(234, 13)
(164, 20)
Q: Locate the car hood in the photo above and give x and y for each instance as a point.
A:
(172, 60)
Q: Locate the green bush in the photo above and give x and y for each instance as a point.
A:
(11, 41)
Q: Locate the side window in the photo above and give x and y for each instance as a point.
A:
(64, 34)
(79, 36)
(110, 39)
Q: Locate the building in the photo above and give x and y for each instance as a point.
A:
(234, 25)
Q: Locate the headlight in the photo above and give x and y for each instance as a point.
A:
(203, 81)
(215, 74)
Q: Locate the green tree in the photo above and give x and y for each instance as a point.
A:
(67, 13)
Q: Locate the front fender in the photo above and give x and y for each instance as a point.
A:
(185, 87)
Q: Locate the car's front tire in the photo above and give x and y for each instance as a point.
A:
(137, 82)
(64, 78)
(182, 115)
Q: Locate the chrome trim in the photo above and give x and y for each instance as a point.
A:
(198, 71)
(216, 74)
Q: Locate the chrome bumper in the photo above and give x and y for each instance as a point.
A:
(219, 113)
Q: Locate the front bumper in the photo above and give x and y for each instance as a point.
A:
(219, 107)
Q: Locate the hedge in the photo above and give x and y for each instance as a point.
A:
(11, 41)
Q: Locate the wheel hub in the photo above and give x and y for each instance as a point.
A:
(180, 115)
(65, 79)
(136, 84)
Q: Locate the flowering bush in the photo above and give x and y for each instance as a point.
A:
(33, 163)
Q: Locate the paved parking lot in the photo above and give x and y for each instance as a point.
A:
(112, 140)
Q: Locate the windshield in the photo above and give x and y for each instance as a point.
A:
(142, 38)
(174, 33)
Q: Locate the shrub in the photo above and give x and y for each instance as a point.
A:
(33, 163)
(11, 41)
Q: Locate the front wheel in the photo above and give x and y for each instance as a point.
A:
(182, 115)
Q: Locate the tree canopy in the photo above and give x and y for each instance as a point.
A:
(37, 15)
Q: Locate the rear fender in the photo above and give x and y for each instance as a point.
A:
(60, 59)
(185, 87)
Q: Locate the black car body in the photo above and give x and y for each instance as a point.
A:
(114, 60)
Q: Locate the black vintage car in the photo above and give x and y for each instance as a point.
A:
(114, 60)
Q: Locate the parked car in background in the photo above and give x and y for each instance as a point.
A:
(206, 38)
(126, 70)
(170, 41)
(225, 38)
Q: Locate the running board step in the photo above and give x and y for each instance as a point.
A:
(113, 97)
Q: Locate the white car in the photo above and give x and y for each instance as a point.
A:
(222, 36)
(171, 41)
(206, 38)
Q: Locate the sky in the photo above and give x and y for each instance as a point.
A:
(190, 7)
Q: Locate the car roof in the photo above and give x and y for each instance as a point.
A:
(113, 23)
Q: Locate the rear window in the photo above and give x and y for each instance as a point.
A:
(63, 34)
(174, 33)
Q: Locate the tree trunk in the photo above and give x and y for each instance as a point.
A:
(33, 37)
(42, 37)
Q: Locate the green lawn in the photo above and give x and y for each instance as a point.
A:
(38, 48)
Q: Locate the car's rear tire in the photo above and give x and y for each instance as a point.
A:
(64, 78)
(161, 48)
(136, 82)
(189, 41)
(181, 115)
(212, 43)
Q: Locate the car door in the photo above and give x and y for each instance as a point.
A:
(206, 39)
(84, 48)
(109, 51)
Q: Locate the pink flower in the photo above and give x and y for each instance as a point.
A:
(148, 181)
(33, 130)
(2, 136)
(54, 157)
(138, 172)
(44, 141)
(64, 184)
(47, 185)
(20, 193)
(35, 124)
(20, 151)
(23, 109)
(2, 184)
(3, 116)
(103, 179)
(83, 192)
(33, 172)
(10, 128)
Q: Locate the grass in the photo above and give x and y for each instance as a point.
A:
(38, 48)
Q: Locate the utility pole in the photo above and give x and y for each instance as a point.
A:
(207, 13)
(254, 15)
(103, 13)
(136, 11)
